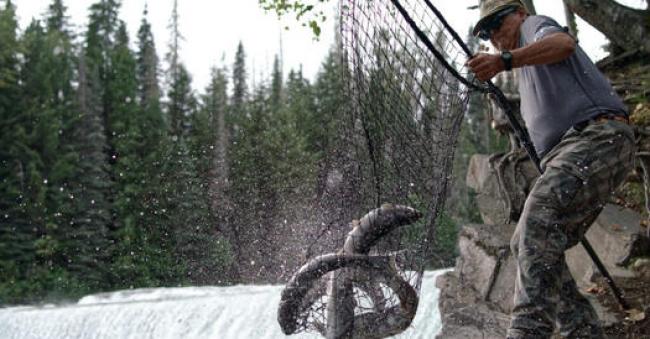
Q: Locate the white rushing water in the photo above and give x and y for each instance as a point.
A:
(187, 312)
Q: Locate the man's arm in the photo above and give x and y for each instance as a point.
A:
(551, 49)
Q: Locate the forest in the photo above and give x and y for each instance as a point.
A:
(116, 173)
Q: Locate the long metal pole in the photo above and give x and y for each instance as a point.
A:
(519, 131)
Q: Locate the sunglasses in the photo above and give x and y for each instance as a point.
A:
(494, 23)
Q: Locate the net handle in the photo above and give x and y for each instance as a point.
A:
(423, 37)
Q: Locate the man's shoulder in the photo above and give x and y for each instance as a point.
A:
(537, 20)
(536, 26)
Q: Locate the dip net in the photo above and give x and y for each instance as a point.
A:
(407, 89)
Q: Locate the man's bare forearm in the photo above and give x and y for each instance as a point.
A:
(551, 49)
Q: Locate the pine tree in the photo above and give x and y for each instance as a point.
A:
(100, 41)
(156, 249)
(148, 85)
(128, 166)
(59, 64)
(251, 190)
(239, 81)
(186, 195)
(17, 172)
(322, 128)
(182, 102)
(87, 248)
(237, 115)
(57, 20)
(297, 124)
(39, 124)
(214, 148)
(45, 101)
(95, 219)
(276, 95)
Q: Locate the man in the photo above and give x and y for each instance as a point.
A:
(579, 128)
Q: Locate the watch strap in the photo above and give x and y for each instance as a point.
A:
(506, 57)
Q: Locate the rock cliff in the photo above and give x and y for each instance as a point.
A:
(476, 297)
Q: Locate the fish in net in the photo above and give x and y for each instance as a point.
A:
(407, 88)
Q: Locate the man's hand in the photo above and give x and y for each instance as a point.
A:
(486, 66)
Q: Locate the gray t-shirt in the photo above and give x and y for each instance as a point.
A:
(556, 96)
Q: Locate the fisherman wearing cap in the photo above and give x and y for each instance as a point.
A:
(579, 128)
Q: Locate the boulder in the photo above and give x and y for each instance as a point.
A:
(614, 237)
(485, 264)
(463, 313)
(500, 198)
(482, 178)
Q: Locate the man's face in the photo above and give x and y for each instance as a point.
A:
(506, 36)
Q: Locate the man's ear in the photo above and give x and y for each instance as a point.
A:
(522, 11)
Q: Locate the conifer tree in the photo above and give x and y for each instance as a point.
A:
(214, 148)
(186, 196)
(97, 220)
(59, 64)
(211, 138)
(148, 86)
(43, 103)
(295, 124)
(157, 249)
(38, 124)
(237, 115)
(239, 82)
(276, 95)
(325, 142)
(57, 20)
(88, 247)
(100, 42)
(17, 173)
(128, 167)
(252, 187)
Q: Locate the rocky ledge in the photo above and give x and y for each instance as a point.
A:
(476, 297)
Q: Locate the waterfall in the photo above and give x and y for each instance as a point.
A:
(183, 312)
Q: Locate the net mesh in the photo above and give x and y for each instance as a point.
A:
(408, 89)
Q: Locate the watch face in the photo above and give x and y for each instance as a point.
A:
(507, 60)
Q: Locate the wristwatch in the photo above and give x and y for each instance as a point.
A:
(506, 57)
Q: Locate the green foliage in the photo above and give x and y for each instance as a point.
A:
(20, 188)
(310, 13)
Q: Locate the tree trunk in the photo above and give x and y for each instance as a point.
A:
(623, 26)
(571, 20)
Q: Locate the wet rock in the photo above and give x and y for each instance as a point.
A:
(464, 315)
(482, 178)
(485, 264)
(613, 236)
(476, 298)
(502, 183)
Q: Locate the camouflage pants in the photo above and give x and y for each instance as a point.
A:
(582, 172)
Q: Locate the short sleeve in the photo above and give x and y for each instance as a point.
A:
(537, 27)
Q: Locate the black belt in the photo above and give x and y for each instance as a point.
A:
(600, 119)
